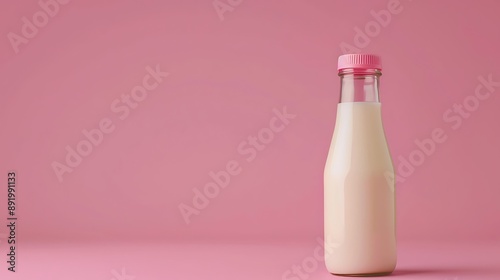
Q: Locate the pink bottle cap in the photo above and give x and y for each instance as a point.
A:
(359, 61)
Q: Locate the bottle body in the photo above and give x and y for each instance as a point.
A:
(359, 197)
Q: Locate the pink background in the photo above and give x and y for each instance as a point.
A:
(226, 76)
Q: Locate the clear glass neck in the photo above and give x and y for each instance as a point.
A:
(359, 85)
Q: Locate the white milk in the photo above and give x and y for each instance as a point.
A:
(359, 200)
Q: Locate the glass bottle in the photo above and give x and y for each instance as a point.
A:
(359, 198)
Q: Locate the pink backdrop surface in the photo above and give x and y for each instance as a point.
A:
(230, 72)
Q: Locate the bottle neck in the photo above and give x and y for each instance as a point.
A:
(359, 85)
